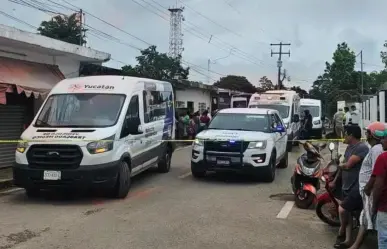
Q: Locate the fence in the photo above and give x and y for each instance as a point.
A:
(374, 109)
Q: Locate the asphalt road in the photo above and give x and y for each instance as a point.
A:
(167, 211)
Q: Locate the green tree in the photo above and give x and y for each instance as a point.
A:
(265, 84)
(383, 54)
(237, 83)
(155, 65)
(64, 28)
(303, 93)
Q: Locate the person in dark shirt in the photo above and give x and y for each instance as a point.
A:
(350, 169)
(379, 194)
(307, 124)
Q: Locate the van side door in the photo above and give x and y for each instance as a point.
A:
(282, 137)
(133, 142)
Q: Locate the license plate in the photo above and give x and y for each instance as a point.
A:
(52, 175)
(223, 162)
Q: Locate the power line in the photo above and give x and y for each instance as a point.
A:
(17, 20)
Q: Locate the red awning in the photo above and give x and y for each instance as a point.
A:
(28, 77)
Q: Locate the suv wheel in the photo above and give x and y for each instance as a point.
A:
(268, 174)
(283, 164)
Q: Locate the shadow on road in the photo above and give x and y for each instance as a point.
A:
(73, 197)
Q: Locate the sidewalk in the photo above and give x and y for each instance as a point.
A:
(5, 178)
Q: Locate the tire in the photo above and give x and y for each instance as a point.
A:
(32, 192)
(319, 134)
(289, 146)
(164, 165)
(327, 220)
(268, 174)
(283, 164)
(123, 184)
(304, 203)
(197, 173)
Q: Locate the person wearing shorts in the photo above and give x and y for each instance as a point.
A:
(352, 201)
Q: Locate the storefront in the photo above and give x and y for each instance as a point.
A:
(22, 85)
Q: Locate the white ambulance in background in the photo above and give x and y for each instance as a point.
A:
(287, 103)
(97, 132)
(315, 108)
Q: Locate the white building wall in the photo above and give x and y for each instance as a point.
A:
(195, 95)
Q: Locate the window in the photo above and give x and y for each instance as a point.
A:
(180, 104)
(313, 110)
(202, 107)
(240, 121)
(282, 109)
(278, 120)
(81, 110)
(156, 104)
(132, 112)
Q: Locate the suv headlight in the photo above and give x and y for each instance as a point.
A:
(22, 146)
(198, 142)
(102, 146)
(257, 145)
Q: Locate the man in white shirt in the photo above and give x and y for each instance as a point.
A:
(355, 115)
(338, 119)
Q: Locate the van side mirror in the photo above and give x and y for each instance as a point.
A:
(296, 118)
(132, 125)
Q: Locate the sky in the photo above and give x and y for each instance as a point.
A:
(241, 32)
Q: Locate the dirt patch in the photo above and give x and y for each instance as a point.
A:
(282, 197)
(14, 239)
(93, 211)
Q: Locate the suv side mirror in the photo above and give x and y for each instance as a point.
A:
(296, 118)
(132, 124)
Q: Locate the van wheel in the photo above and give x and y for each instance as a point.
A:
(123, 184)
(268, 174)
(289, 145)
(164, 164)
(283, 164)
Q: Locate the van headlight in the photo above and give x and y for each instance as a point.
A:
(102, 146)
(198, 142)
(257, 145)
(317, 122)
(22, 146)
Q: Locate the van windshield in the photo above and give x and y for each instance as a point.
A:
(240, 121)
(239, 104)
(314, 110)
(81, 110)
(282, 109)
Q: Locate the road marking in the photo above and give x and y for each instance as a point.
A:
(10, 191)
(182, 148)
(185, 175)
(283, 214)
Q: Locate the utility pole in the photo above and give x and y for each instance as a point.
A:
(361, 77)
(279, 62)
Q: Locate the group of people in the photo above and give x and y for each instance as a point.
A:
(361, 184)
(346, 117)
(190, 124)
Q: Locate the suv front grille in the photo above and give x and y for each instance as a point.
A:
(226, 146)
(54, 156)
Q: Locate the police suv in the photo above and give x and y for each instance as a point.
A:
(245, 140)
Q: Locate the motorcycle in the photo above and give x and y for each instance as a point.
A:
(306, 176)
(327, 199)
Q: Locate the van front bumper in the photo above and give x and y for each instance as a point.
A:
(83, 177)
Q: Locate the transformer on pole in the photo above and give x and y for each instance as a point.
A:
(175, 33)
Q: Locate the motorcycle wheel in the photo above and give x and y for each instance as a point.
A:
(332, 221)
(304, 201)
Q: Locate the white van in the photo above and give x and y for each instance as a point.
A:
(240, 100)
(287, 103)
(315, 108)
(99, 132)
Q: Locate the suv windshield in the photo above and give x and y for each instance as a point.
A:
(240, 121)
(81, 110)
(282, 109)
(314, 110)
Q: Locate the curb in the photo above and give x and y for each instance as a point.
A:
(6, 183)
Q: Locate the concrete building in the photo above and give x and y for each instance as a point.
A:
(30, 65)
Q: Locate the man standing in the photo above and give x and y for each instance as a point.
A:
(379, 195)
(338, 120)
(308, 124)
(347, 116)
(355, 115)
(352, 201)
(366, 182)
